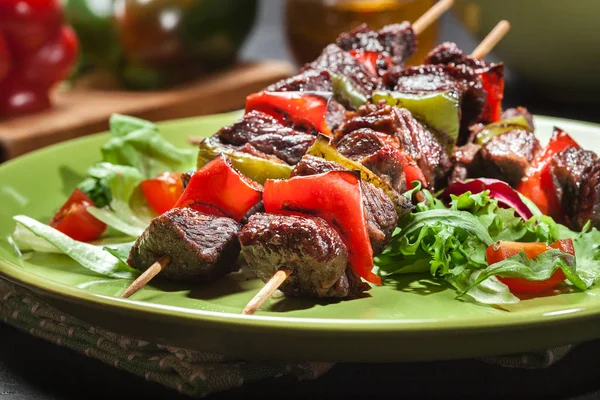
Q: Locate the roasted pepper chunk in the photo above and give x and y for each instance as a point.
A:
(492, 78)
(439, 111)
(334, 196)
(219, 189)
(372, 60)
(256, 168)
(537, 184)
(303, 110)
(500, 127)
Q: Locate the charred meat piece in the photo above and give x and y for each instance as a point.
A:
(398, 41)
(380, 214)
(374, 151)
(460, 79)
(568, 170)
(418, 143)
(519, 112)
(508, 156)
(463, 159)
(308, 246)
(261, 132)
(337, 61)
(313, 80)
(202, 247)
(588, 205)
(449, 53)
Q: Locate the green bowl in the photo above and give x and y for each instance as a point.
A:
(552, 45)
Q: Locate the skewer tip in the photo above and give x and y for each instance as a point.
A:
(146, 277)
(266, 291)
(431, 15)
(491, 40)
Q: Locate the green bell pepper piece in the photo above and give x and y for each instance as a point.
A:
(345, 93)
(500, 127)
(439, 111)
(255, 168)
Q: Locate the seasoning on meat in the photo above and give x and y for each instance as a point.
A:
(569, 170)
(588, 205)
(308, 246)
(380, 213)
(412, 137)
(508, 156)
(202, 247)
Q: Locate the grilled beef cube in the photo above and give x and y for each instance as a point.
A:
(461, 79)
(396, 40)
(371, 149)
(337, 61)
(185, 178)
(463, 159)
(261, 132)
(312, 249)
(202, 247)
(418, 143)
(449, 53)
(508, 156)
(568, 170)
(519, 111)
(380, 214)
(588, 204)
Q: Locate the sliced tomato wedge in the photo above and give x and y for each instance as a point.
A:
(162, 192)
(502, 250)
(75, 221)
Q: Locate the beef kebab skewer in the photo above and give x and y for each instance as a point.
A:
(280, 276)
(160, 264)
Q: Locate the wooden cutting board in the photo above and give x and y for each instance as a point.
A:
(84, 110)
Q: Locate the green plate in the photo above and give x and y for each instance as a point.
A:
(416, 321)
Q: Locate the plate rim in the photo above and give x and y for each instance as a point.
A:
(29, 280)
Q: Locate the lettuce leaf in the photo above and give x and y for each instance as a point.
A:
(89, 256)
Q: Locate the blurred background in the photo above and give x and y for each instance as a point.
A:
(66, 65)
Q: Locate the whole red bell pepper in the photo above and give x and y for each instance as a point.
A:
(219, 189)
(334, 196)
(537, 185)
(303, 110)
(36, 51)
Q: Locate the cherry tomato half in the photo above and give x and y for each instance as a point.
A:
(73, 220)
(502, 250)
(162, 192)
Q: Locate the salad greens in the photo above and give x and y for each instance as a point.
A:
(135, 151)
(450, 242)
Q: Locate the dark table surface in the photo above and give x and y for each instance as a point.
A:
(33, 369)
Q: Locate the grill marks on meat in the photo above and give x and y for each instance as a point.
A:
(308, 246)
(372, 149)
(459, 79)
(399, 41)
(380, 215)
(508, 156)
(263, 133)
(569, 170)
(203, 247)
(412, 138)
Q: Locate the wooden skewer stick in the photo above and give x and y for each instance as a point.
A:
(431, 15)
(266, 291)
(491, 40)
(147, 276)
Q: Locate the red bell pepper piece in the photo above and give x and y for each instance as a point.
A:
(162, 192)
(75, 221)
(371, 59)
(502, 250)
(334, 196)
(492, 78)
(306, 110)
(537, 184)
(219, 189)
